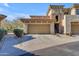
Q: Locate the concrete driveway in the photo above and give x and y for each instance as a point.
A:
(51, 45)
(39, 44)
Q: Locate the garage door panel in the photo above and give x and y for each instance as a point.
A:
(75, 27)
(38, 28)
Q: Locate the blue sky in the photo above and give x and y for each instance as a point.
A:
(14, 10)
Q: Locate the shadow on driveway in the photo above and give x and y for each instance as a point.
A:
(8, 48)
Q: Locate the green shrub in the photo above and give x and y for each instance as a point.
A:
(3, 32)
(18, 32)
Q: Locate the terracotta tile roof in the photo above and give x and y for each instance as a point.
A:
(39, 17)
(54, 6)
(67, 9)
(75, 5)
(36, 20)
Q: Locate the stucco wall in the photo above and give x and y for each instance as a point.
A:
(25, 28)
(73, 11)
(67, 22)
(50, 14)
(52, 28)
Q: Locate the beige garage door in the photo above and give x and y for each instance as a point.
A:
(75, 27)
(38, 28)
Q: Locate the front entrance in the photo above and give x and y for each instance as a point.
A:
(56, 27)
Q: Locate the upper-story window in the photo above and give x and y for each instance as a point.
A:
(66, 13)
(56, 18)
(77, 11)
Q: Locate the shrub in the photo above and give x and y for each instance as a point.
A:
(3, 32)
(18, 32)
(24, 33)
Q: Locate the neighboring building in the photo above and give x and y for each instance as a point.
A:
(57, 20)
(1, 18)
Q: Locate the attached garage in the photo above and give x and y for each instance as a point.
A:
(38, 28)
(75, 27)
(38, 25)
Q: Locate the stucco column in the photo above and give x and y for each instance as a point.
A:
(52, 28)
(25, 28)
(73, 11)
(64, 23)
(67, 25)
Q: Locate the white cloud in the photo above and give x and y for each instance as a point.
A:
(6, 4)
(22, 15)
(16, 16)
(13, 15)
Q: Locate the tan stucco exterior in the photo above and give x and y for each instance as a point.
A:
(50, 28)
(73, 11)
(52, 31)
(58, 18)
(25, 28)
(67, 22)
(39, 28)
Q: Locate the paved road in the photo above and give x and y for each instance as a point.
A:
(69, 49)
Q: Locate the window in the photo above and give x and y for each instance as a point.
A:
(77, 11)
(56, 18)
(66, 13)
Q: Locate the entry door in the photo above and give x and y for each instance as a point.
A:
(56, 26)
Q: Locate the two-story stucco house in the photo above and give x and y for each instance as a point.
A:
(57, 20)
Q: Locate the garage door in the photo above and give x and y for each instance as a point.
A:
(38, 28)
(75, 27)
